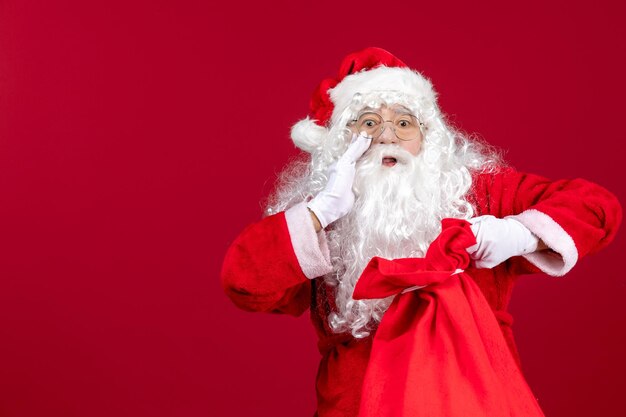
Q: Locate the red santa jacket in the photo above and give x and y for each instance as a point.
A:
(272, 265)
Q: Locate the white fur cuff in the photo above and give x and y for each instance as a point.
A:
(543, 226)
(311, 248)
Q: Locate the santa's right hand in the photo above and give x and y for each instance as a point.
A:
(336, 199)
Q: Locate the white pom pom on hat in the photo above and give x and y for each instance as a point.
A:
(308, 135)
(371, 69)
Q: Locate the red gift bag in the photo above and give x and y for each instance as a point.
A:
(439, 350)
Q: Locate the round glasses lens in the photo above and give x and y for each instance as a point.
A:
(406, 127)
(370, 123)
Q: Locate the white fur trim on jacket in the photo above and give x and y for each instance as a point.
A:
(311, 248)
(543, 226)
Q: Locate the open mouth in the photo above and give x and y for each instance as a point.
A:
(389, 161)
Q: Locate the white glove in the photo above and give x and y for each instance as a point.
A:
(499, 239)
(337, 199)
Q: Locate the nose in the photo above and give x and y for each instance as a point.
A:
(387, 135)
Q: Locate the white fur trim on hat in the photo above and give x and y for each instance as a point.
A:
(307, 135)
(380, 79)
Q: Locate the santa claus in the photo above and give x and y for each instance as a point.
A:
(384, 168)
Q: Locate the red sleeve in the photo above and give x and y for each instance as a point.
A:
(576, 211)
(261, 272)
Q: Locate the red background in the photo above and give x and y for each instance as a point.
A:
(137, 139)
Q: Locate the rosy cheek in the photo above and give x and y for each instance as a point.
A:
(413, 146)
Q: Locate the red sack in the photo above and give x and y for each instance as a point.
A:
(439, 350)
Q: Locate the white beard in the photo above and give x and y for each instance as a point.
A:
(397, 211)
(397, 214)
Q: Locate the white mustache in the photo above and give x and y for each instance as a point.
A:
(376, 153)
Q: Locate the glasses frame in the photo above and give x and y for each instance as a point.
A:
(393, 127)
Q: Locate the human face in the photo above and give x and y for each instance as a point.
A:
(390, 132)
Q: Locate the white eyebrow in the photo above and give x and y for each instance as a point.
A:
(396, 108)
(401, 110)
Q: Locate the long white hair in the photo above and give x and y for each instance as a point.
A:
(397, 212)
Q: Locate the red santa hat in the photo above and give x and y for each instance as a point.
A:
(366, 71)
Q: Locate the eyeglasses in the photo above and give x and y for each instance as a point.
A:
(404, 126)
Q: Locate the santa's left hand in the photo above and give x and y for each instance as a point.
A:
(499, 239)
